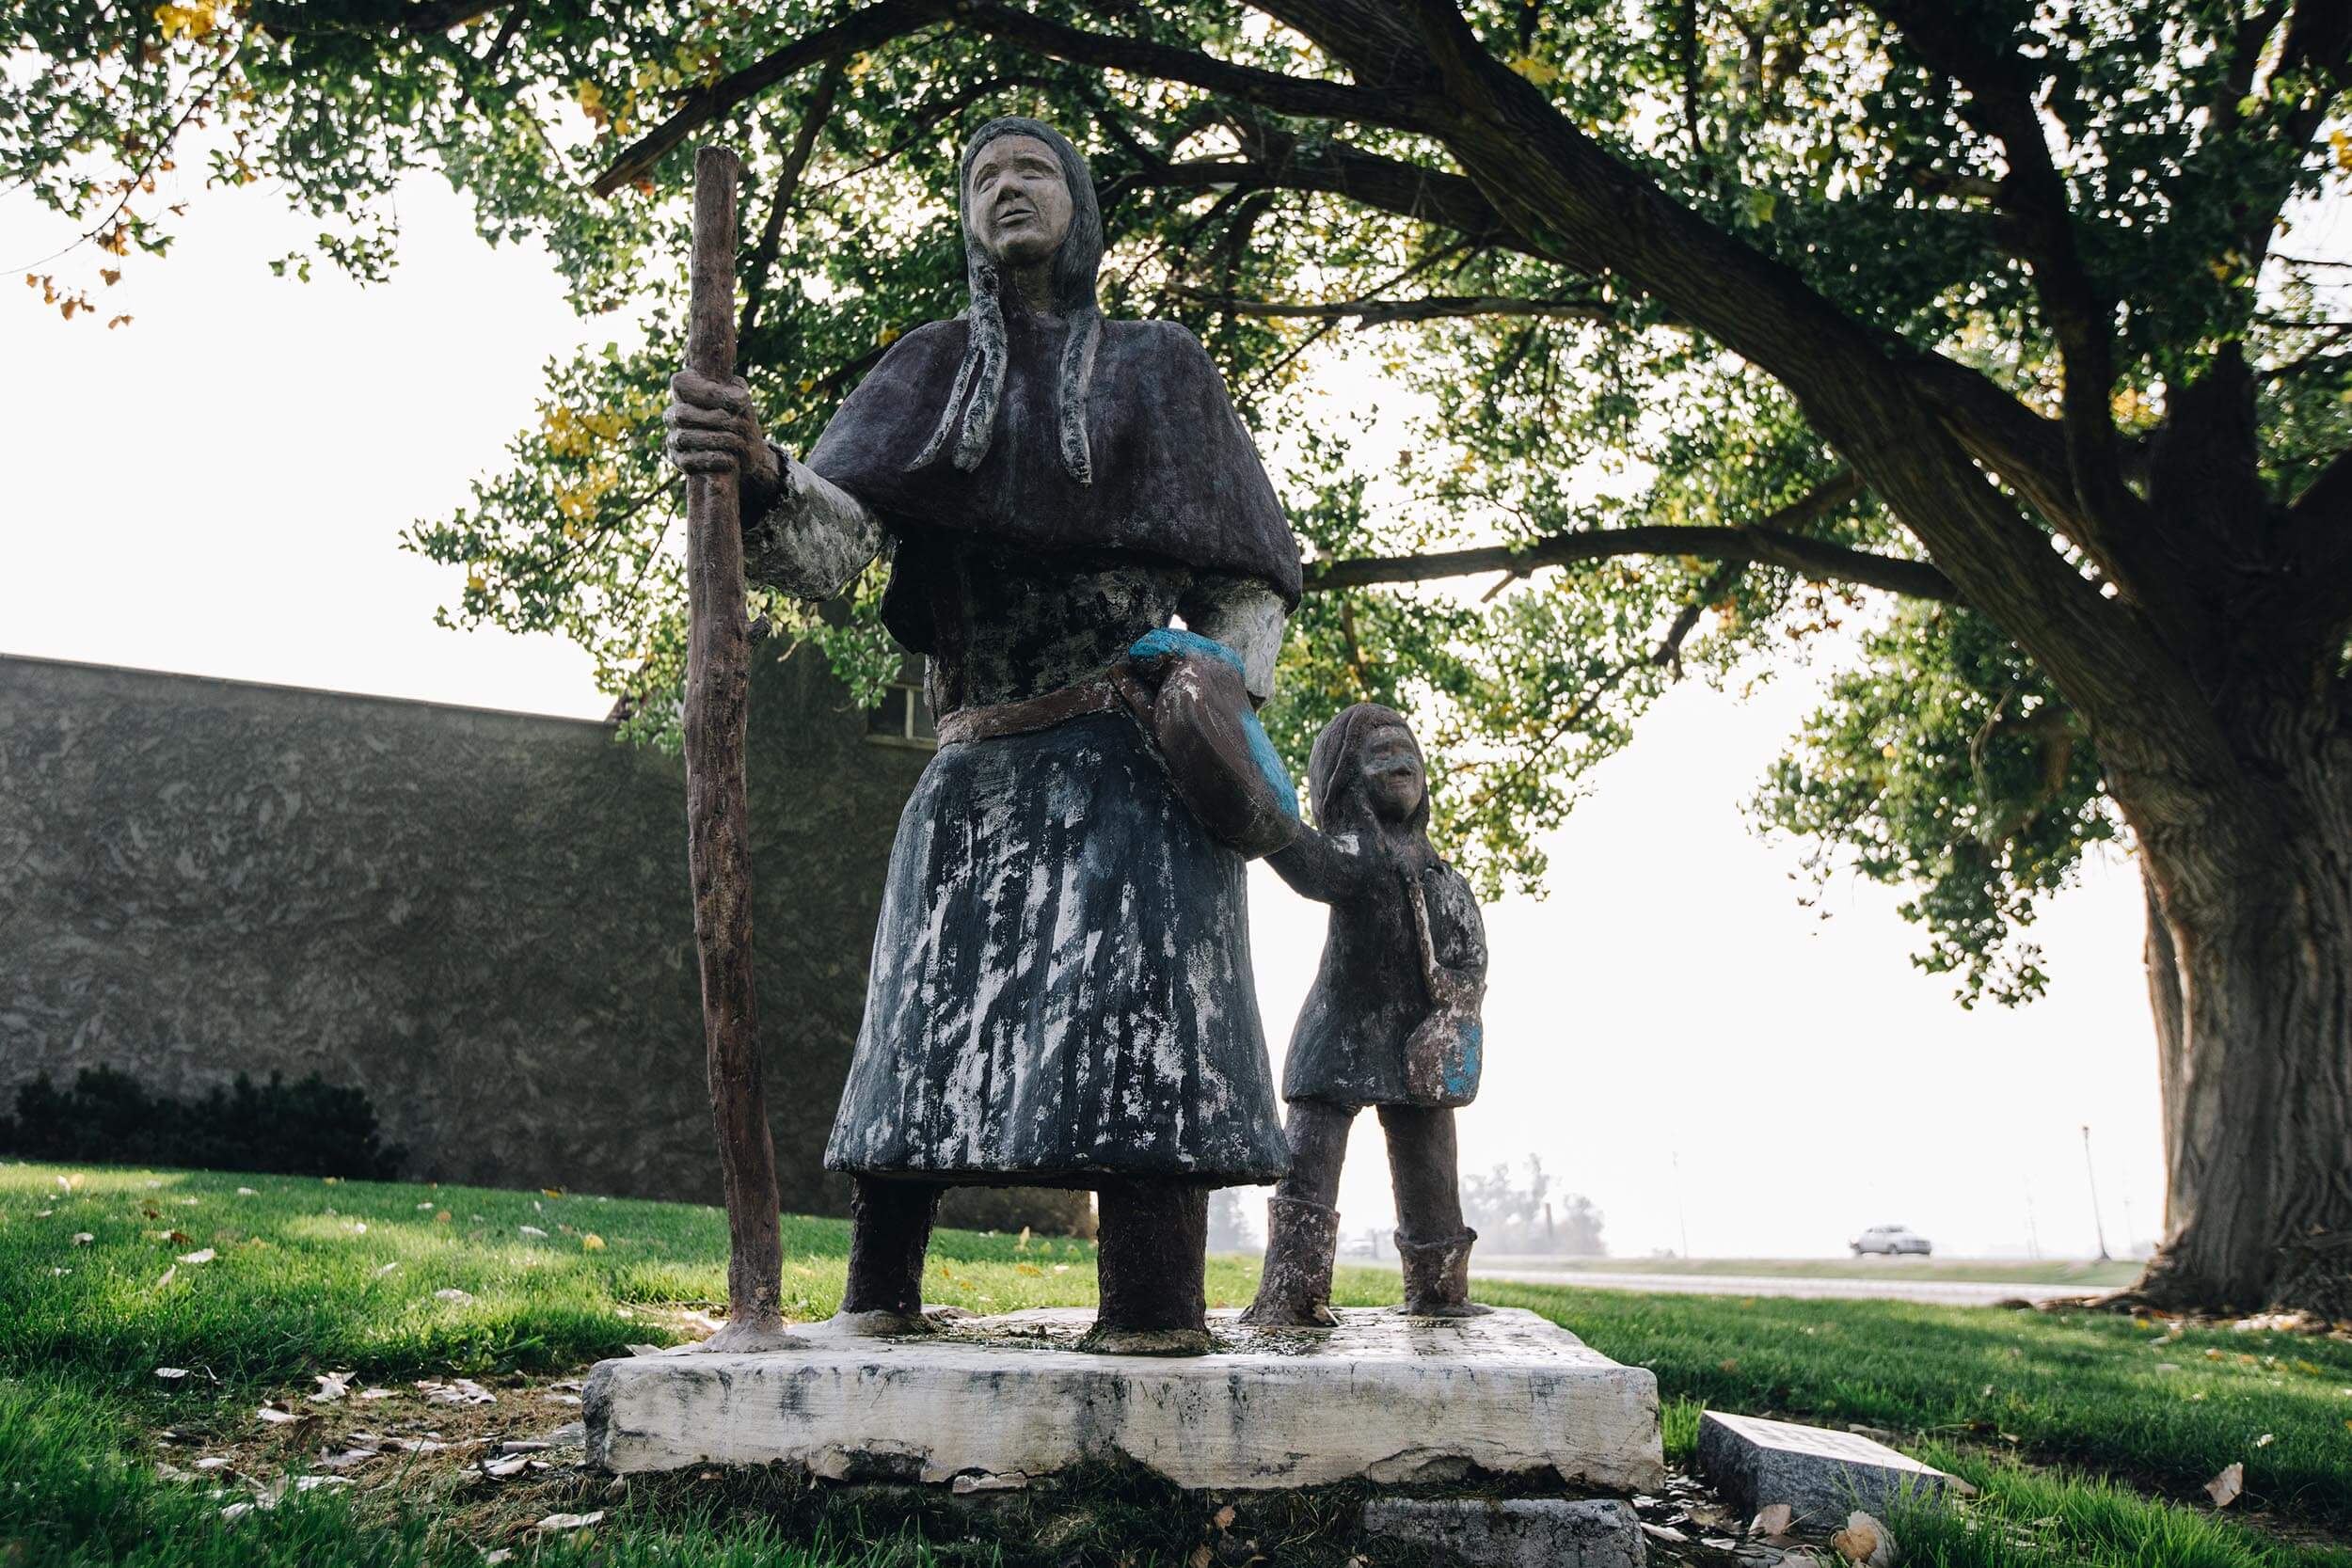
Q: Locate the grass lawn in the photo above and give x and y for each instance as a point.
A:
(2088, 1275)
(2088, 1435)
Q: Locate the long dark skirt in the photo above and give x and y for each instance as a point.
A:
(1061, 990)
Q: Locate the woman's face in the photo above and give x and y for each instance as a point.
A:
(1392, 773)
(1019, 202)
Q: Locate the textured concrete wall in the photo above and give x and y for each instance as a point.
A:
(481, 918)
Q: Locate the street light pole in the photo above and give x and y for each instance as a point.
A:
(1682, 1219)
(2097, 1225)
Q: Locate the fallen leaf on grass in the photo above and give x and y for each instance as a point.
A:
(276, 1417)
(385, 1269)
(490, 1560)
(377, 1394)
(452, 1293)
(2225, 1488)
(426, 1204)
(83, 1238)
(2265, 1440)
(1771, 1519)
(530, 1230)
(172, 1375)
(170, 1275)
(201, 1254)
(592, 1242)
(332, 1386)
(212, 1462)
(570, 1521)
(457, 1391)
(347, 1458)
(1866, 1541)
(247, 1192)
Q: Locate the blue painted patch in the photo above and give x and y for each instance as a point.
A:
(1461, 1070)
(1169, 643)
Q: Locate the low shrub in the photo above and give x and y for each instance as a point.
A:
(309, 1128)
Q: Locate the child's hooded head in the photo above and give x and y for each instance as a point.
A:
(1367, 769)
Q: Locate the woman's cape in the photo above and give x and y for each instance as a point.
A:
(1175, 474)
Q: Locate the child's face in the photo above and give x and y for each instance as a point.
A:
(1392, 773)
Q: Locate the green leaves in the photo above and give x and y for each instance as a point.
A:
(1946, 763)
(1818, 135)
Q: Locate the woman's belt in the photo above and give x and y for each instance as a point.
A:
(1186, 694)
(1099, 695)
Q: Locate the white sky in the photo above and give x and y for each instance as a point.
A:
(218, 488)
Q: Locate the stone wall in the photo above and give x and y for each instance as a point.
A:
(480, 919)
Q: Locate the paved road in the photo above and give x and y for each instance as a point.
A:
(1939, 1293)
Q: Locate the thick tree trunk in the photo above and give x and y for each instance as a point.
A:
(2249, 971)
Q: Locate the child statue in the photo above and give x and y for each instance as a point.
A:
(1392, 1022)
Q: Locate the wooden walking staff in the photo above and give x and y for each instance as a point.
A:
(717, 845)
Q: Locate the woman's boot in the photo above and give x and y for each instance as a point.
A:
(890, 1231)
(1151, 1260)
(1436, 1276)
(1294, 1290)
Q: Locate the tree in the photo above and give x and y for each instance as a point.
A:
(1533, 1219)
(1968, 326)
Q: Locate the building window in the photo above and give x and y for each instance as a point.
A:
(903, 718)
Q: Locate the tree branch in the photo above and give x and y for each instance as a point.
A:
(1773, 542)
(878, 24)
(1380, 312)
(866, 27)
(788, 186)
(1856, 383)
(441, 16)
(1999, 103)
(2321, 517)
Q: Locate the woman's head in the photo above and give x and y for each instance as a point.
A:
(1367, 765)
(1024, 194)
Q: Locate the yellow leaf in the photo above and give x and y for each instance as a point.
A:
(475, 581)
(2342, 143)
(592, 1242)
(441, 1218)
(1028, 1268)
(1542, 72)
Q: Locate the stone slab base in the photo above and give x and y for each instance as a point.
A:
(1524, 1532)
(1000, 1401)
(1820, 1475)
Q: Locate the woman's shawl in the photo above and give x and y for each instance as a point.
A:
(1174, 472)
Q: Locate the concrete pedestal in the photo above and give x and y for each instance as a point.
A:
(1003, 1401)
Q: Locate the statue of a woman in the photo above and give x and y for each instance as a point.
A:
(1061, 990)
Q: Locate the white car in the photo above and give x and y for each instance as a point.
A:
(1892, 1239)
